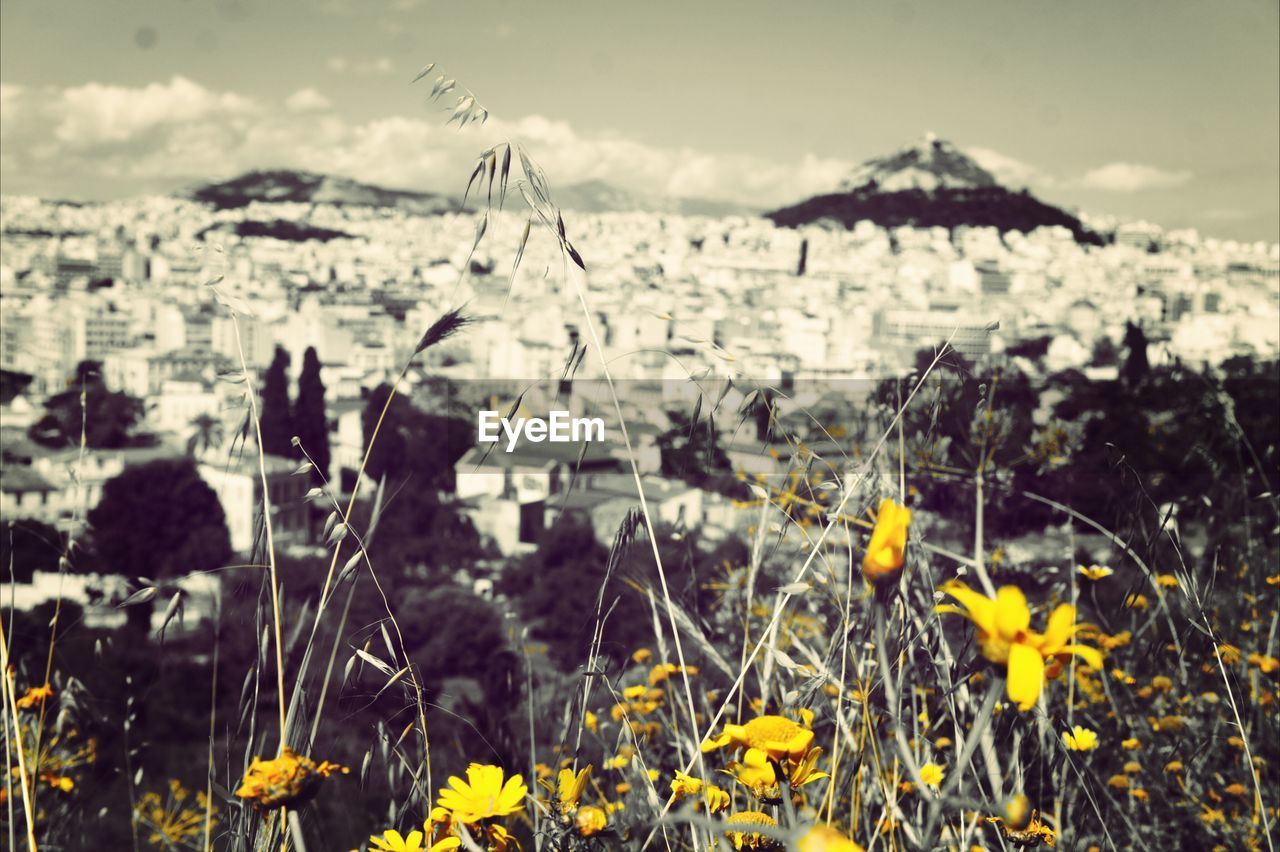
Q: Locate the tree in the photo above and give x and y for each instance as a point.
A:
(1135, 365)
(310, 418)
(691, 450)
(158, 520)
(28, 545)
(413, 446)
(207, 434)
(107, 418)
(276, 417)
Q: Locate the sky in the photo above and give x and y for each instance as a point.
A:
(1167, 110)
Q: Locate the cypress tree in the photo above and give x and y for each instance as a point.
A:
(309, 414)
(276, 416)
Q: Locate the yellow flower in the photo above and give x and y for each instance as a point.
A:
(1135, 601)
(776, 736)
(34, 697)
(591, 820)
(1173, 767)
(751, 839)
(1005, 637)
(1035, 833)
(823, 838)
(1119, 782)
(592, 722)
(1131, 744)
(1080, 739)
(1266, 665)
(642, 656)
(287, 780)
(1167, 581)
(932, 774)
(484, 794)
(1229, 654)
(683, 785)
(569, 787)
(1094, 572)
(392, 841)
(885, 551)
(757, 774)
(1132, 768)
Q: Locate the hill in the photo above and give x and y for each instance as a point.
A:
(286, 185)
(930, 184)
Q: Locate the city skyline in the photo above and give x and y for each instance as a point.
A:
(103, 101)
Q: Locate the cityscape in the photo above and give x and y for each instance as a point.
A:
(582, 459)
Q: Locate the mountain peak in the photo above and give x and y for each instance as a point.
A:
(929, 164)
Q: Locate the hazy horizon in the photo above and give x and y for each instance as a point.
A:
(1161, 111)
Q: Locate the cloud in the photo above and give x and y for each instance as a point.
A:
(362, 67)
(1009, 171)
(101, 141)
(307, 100)
(1133, 177)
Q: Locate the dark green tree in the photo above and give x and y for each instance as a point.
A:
(414, 447)
(691, 449)
(1135, 366)
(106, 417)
(28, 545)
(310, 418)
(277, 416)
(158, 520)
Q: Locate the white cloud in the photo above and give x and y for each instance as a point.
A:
(1133, 177)
(307, 100)
(362, 67)
(94, 113)
(1009, 171)
(97, 139)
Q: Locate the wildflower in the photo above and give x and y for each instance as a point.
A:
(1080, 739)
(392, 841)
(1237, 742)
(1167, 581)
(1236, 789)
(642, 656)
(1170, 725)
(1162, 683)
(1228, 654)
(1118, 782)
(284, 781)
(932, 774)
(484, 794)
(1132, 768)
(569, 788)
(1094, 572)
(684, 785)
(1005, 638)
(1017, 811)
(591, 820)
(1119, 640)
(1266, 665)
(885, 551)
(1273, 580)
(1139, 794)
(751, 839)
(776, 736)
(1131, 744)
(1173, 767)
(34, 697)
(1212, 815)
(1135, 601)
(1034, 834)
(661, 673)
(822, 838)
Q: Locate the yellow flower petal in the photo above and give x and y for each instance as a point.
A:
(1026, 676)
